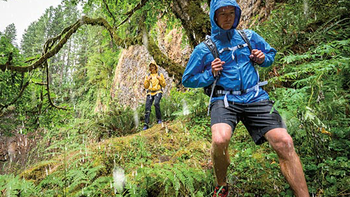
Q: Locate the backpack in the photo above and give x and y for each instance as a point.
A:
(208, 90)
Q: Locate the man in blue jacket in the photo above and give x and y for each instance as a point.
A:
(238, 95)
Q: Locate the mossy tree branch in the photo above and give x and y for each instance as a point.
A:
(55, 44)
(194, 20)
(172, 68)
(62, 39)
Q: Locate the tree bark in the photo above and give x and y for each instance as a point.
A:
(195, 21)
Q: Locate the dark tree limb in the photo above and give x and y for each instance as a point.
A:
(109, 11)
(62, 39)
(15, 99)
(30, 60)
(40, 83)
(47, 48)
(48, 88)
(55, 44)
(4, 67)
(132, 11)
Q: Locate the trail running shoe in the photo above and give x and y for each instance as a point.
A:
(159, 122)
(221, 191)
(145, 127)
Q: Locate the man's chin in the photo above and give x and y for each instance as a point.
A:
(227, 27)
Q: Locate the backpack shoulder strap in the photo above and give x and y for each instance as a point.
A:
(211, 46)
(245, 38)
(209, 90)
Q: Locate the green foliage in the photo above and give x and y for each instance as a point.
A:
(100, 67)
(10, 33)
(254, 170)
(200, 125)
(16, 107)
(192, 101)
(119, 121)
(310, 84)
(79, 178)
(316, 107)
(7, 50)
(166, 180)
(311, 88)
(76, 170)
(11, 185)
(122, 121)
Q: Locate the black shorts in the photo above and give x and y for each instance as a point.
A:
(258, 118)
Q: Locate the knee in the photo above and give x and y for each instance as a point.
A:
(284, 146)
(220, 141)
(156, 103)
(221, 135)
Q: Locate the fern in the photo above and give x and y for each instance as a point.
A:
(174, 180)
(97, 187)
(15, 186)
(296, 58)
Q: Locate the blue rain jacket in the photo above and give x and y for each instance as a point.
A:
(238, 71)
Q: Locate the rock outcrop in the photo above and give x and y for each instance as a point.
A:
(127, 87)
(14, 151)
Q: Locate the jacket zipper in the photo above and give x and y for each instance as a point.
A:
(239, 68)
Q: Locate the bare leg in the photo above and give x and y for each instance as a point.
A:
(290, 163)
(221, 135)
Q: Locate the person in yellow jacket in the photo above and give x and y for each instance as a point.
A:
(153, 83)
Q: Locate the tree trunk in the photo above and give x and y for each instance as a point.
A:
(193, 18)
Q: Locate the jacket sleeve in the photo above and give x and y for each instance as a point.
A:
(261, 44)
(162, 80)
(146, 83)
(196, 75)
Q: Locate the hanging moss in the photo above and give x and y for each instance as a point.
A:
(200, 22)
(194, 20)
(172, 68)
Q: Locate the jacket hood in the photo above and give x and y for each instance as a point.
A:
(153, 63)
(215, 5)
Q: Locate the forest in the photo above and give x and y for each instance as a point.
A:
(72, 100)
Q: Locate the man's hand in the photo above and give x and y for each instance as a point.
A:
(158, 77)
(257, 56)
(149, 78)
(216, 66)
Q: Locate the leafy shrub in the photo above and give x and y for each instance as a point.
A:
(171, 180)
(11, 185)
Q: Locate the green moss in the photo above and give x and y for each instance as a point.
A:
(38, 172)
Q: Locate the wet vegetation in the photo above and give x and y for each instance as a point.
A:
(85, 142)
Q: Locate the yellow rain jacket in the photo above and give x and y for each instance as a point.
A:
(154, 85)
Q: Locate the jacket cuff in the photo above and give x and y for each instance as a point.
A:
(264, 64)
(210, 74)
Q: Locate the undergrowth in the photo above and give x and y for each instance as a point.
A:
(309, 83)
